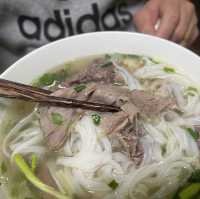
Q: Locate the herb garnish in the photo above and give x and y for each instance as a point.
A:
(3, 167)
(105, 64)
(154, 61)
(57, 118)
(192, 91)
(33, 162)
(195, 177)
(96, 118)
(47, 79)
(169, 70)
(193, 133)
(79, 88)
(113, 184)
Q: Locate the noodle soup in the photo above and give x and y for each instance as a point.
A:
(150, 149)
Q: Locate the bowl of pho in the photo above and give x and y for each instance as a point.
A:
(150, 149)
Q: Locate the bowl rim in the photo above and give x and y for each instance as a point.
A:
(15, 65)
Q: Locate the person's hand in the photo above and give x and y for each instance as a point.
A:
(177, 20)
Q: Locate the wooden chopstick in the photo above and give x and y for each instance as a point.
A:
(19, 86)
(10, 89)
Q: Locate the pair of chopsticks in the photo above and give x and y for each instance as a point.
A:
(10, 89)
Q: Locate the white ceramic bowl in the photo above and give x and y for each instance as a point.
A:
(41, 60)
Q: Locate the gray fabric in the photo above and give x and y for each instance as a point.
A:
(28, 24)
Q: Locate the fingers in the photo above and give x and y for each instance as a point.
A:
(177, 20)
(194, 36)
(186, 23)
(191, 35)
(145, 19)
(193, 31)
(169, 19)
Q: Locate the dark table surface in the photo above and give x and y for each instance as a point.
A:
(196, 46)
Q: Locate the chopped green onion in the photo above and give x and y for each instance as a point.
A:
(193, 133)
(28, 198)
(169, 70)
(96, 118)
(3, 167)
(15, 192)
(106, 64)
(47, 79)
(26, 170)
(178, 111)
(113, 185)
(190, 88)
(107, 56)
(153, 60)
(79, 87)
(163, 149)
(57, 118)
(132, 56)
(192, 91)
(190, 94)
(195, 177)
(34, 162)
(190, 191)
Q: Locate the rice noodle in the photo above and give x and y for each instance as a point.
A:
(15, 131)
(178, 93)
(87, 164)
(169, 151)
(152, 71)
(96, 154)
(131, 82)
(170, 164)
(26, 141)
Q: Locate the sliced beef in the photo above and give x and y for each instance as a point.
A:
(55, 134)
(98, 71)
(114, 123)
(149, 104)
(70, 92)
(110, 94)
(132, 145)
(131, 110)
(124, 125)
(117, 122)
(125, 133)
(130, 138)
(145, 102)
